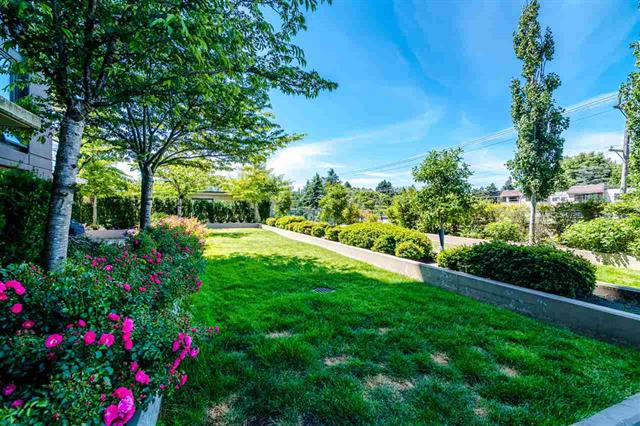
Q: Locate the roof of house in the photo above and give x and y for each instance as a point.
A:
(511, 193)
(598, 188)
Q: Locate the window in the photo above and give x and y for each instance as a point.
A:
(12, 92)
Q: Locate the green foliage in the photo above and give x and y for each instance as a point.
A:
(332, 233)
(504, 230)
(385, 187)
(24, 200)
(283, 202)
(271, 221)
(410, 250)
(283, 221)
(385, 244)
(141, 283)
(368, 199)
(603, 235)
(630, 100)
(335, 206)
(405, 209)
(365, 235)
(588, 168)
(331, 178)
(313, 192)
(628, 205)
(318, 229)
(539, 267)
(538, 121)
(446, 193)
(567, 213)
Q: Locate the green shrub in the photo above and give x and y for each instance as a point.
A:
(504, 230)
(303, 227)
(271, 221)
(332, 232)
(410, 250)
(24, 203)
(567, 213)
(385, 244)
(540, 267)
(364, 235)
(603, 235)
(318, 230)
(285, 220)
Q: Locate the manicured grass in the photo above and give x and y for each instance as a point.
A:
(381, 349)
(621, 276)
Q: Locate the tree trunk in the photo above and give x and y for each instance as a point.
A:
(441, 236)
(94, 210)
(146, 196)
(180, 205)
(62, 191)
(532, 220)
(256, 212)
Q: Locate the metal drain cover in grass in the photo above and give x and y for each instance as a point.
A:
(323, 290)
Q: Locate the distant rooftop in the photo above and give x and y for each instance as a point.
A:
(511, 193)
(598, 188)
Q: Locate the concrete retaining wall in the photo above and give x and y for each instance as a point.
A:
(148, 417)
(627, 413)
(232, 225)
(584, 318)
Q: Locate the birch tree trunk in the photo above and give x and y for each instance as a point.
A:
(94, 210)
(146, 196)
(532, 220)
(62, 191)
(179, 205)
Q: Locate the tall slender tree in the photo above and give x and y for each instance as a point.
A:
(538, 121)
(630, 104)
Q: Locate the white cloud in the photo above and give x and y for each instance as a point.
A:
(299, 162)
(594, 141)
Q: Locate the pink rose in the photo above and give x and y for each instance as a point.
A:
(28, 324)
(183, 379)
(89, 337)
(187, 341)
(127, 325)
(82, 323)
(108, 268)
(17, 403)
(127, 287)
(128, 344)
(8, 389)
(120, 414)
(106, 339)
(142, 377)
(3, 287)
(53, 340)
(175, 346)
(113, 316)
(17, 308)
(134, 366)
(16, 286)
(194, 352)
(3, 296)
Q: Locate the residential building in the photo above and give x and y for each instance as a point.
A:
(511, 196)
(34, 154)
(578, 193)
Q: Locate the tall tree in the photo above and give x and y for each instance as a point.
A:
(284, 201)
(331, 178)
(630, 104)
(587, 168)
(85, 53)
(94, 54)
(508, 184)
(313, 192)
(186, 179)
(102, 179)
(538, 121)
(446, 192)
(385, 187)
(336, 207)
(405, 209)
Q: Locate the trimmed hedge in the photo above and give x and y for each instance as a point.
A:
(604, 235)
(271, 221)
(409, 250)
(286, 220)
(540, 267)
(365, 235)
(331, 233)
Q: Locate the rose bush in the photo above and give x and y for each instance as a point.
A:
(96, 341)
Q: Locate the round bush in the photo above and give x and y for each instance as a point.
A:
(604, 235)
(331, 233)
(285, 220)
(410, 250)
(318, 230)
(504, 230)
(271, 221)
(385, 244)
(540, 267)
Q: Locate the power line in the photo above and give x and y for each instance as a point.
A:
(491, 137)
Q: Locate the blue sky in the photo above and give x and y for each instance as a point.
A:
(416, 75)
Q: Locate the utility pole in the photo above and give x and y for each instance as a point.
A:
(624, 152)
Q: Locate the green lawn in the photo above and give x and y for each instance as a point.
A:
(381, 349)
(621, 276)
